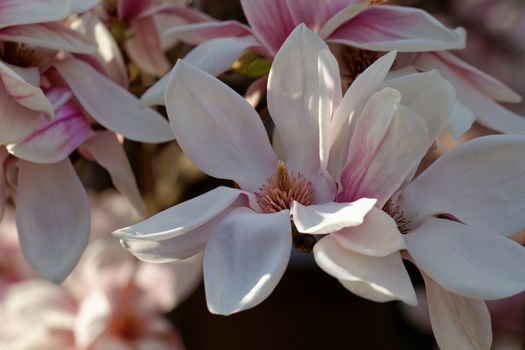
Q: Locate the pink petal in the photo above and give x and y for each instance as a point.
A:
(183, 12)
(218, 130)
(92, 319)
(214, 56)
(354, 99)
(488, 112)
(127, 9)
(111, 105)
(165, 286)
(144, 47)
(458, 322)
(52, 216)
(314, 14)
(16, 12)
(108, 53)
(108, 152)
(271, 21)
(489, 85)
(303, 90)
(388, 142)
(481, 182)
(197, 33)
(57, 139)
(377, 236)
(180, 231)
(344, 14)
(387, 28)
(256, 91)
(24, 93)
(3, 190)
(54, 36)
(378, 279)
(466, 260)
(330, 217)
(245, 258)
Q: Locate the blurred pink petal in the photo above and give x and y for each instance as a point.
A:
(128, 9)
(52, 217)
(109, 153)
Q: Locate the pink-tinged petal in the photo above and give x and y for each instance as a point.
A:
(214, 56)
(387, 28)
(24, 93)
(144, 47)
(245, 258)
(379, 279)
(345, 14)
(466, 260)
(52, 216)
(127, 9)
(303, 90)
(428, 95)
(198, 33)
(330, 217)
(180, 231)
(183, 12)
(377, 236)
(315, 14)
(271, 21)
(458, 322)
(57, 139)
(256, 91)
(481, 183)
(108, 53)
(354, 99)
(488, 112)
(111, 105)
(92, 319)
(489, 85)
(218, 130)
(3, 189)
(165, 286)
(109, 153)
(54, 36)
(389, 141)
(16, 12)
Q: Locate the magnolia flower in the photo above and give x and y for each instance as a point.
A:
(115, 303)
(360, 24)
(136, 24)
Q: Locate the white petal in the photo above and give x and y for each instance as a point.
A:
(481, 182)
(218, 130)
(379, 279)
(460, 120)
(467, 261)
(388, 142)
(110, 154)
(111, 105)
(378, 235)
(330, 217)
(92, 319)
(16, 12)
(182, 226)
(458, 322)
(52, 216)
(303, 90)
(245, 258)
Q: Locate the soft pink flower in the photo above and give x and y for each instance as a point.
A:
(357, 23)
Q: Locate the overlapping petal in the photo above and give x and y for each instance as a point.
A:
(245, 258)
(466, 260)
(218, 130)
(16, 12)
(480, 182)
(52, 217)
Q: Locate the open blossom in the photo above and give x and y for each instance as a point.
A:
(366, 25)
(110, 301)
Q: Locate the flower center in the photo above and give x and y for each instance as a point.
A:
(18, 55)
(282, 189)
(398, 215)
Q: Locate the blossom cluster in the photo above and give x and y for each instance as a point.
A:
(324, 154)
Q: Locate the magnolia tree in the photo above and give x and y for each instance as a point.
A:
(326, 151)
